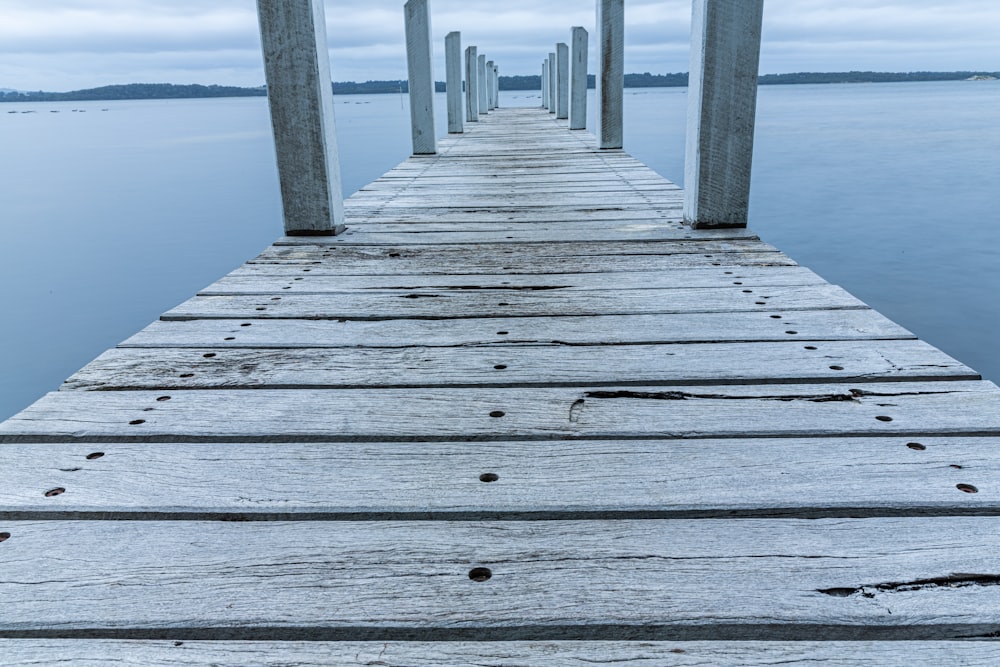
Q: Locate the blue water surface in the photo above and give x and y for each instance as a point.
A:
(117, 211)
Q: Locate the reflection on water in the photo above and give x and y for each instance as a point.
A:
(111, 217)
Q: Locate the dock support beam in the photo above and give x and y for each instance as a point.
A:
(562, 81)
(490, 75)
(471, 85)
(722, 103)
(553, 94)
(484, 103)
(545, 84)
(496, 86)
(419, 60)
(300, 96)
(453, 80)
(611, 71)
(578, 79)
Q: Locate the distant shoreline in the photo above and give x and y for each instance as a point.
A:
(161, 91)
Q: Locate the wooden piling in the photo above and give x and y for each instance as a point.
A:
(722, 102)
(484, 104)
(545, 83)
(611, 72)
(453, 80)
(496, 86)
(490, 74)
(578, 79)
(562, 81)
(300, 96)
(553, 94)
(420, 65)
(471, 85)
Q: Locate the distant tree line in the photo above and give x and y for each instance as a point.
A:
(157, 91)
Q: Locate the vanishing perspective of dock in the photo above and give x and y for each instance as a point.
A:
(519, 413)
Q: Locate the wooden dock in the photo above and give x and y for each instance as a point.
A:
(517, 414)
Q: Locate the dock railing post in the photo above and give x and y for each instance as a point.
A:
(420, 64)
(722, 102)
(490, 73)
(484, 104)
(300, 97)
(553, 95)
(545, 83)
(578, 80)
(611, 71)
(471, 85)
(453, 80)
(562, 81)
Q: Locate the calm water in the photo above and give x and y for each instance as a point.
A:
(113, 215)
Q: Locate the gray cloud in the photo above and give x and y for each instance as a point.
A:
(65, 44)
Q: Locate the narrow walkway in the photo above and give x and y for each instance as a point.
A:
(517, 400)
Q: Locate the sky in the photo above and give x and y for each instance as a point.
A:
(58, 45)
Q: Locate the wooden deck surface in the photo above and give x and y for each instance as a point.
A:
(517, 414)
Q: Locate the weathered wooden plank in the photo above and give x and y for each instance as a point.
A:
(518, 303)
(653, 579)
(273, 279)
(425, 260)
(151, 653)
(812, 326)
(861, 477)
(641, 230)
(550, 365)
(344, 415)
(717, 251)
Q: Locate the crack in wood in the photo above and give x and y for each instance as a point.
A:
(683, 396)
(958, 580)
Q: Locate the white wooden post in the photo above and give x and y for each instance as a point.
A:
(722, 103)
(545, 83)
(300, 96)
(489, 84)
(484, 104)
(496, 82)
(453, 80)
(419, 60)
(611, 72)
(471, 85)
(578, 80)
(562, 81)
(553, 95)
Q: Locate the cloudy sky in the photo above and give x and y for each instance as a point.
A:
(71, 44)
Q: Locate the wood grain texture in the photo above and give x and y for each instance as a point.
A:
(730, 411)
(812, 326)
(465, 303)
(521, 366)
(273, 279)
(26, 652)
(861, 477)
(654, 579)
(410, 260)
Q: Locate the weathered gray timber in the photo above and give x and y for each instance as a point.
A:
(545, 84)
(553, 79)
(562, 81)
(518, 413)
(420, 67)
(722, 103)
(610, 72)
(471, 85)
(579, 42)
(490, 82)
(678, 579)
(453, 83)
(23, 652)
(484, 103)
(297, 67)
